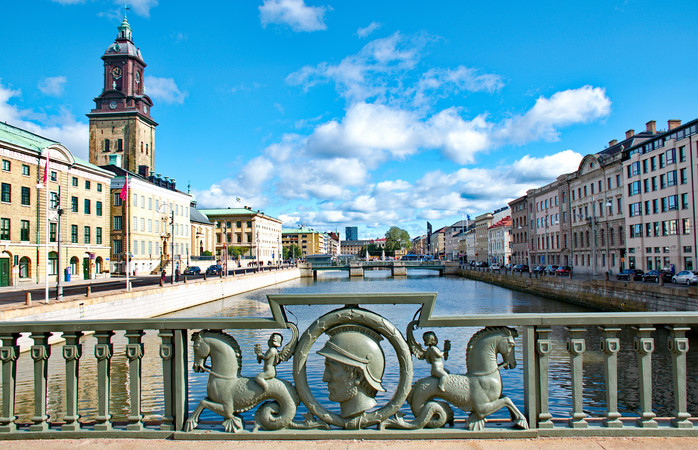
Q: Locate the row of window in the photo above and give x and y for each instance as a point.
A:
(665, 180)
(179, 210)
(663, 228)
(228, 224)
(583, 189)
(7, 167)
(659, 205)
(26, 171)
(650, 164)
(24, 235)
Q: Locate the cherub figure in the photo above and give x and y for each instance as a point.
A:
(432, 354)
(436, 357)
(271, 358)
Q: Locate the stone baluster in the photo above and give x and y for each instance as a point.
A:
(576, 346)
(543, 348)
(8, 355)
(134, 353)
(103, 352)
(40, 352)
(72, 351)
(610, 344)
(166, 353)
(644, 346)
(678, 345)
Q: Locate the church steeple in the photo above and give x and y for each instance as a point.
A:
(120, 123)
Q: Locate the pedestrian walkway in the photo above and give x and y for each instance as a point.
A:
(576, 443)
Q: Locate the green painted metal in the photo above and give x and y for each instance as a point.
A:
(534, 329)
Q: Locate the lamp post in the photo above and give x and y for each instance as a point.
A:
(163, 210)
(257, 252)
(59, 212)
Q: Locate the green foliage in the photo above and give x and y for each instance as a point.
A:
(396, 239)
(234, 252)
(207, 253)
(292, 251)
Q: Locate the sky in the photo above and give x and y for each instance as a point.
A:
(373, 114)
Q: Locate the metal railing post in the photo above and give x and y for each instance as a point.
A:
(72, 351)
(543, 348)
(103, 352)
(134, 353)
(678, 345)
(610, 344)
(40, 352)
(576, 346)
(8, 355)
(644, 346)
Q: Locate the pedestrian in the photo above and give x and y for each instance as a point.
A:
(162, 276)
(176, 274)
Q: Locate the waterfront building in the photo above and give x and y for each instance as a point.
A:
(660, 191)
(499, 241)
(482, 223)
(470, 244)
(438, 243)
(120, 123)
(203, 235)
(452, 235)
(311, 242)
(598, 207)
(520, 228)
(353, 247)
(77, 216)
(155, 217)
(418, 245)
(547, 216)
(258, 234)
(351, 233)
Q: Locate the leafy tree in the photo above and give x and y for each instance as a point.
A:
(207, 253)
(234, 252)
(292, 251)
(396, 239)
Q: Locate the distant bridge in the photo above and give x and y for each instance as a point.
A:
(397, 268)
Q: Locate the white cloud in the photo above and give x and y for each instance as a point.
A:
(442, 83)
(52, 86)
(563, 108)
(140, 7)
(294, 13)
(364, 32)
(460, 140)
(61, 127)
(164, 89)
(68, 2)
(547, 168)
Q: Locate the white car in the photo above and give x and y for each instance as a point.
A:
(495, 267)
(686, 277)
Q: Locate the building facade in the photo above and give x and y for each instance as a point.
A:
(151, 224)
(499, 239)
(70, 208)
(482, 223)
(311, 242)
(547, 215)
(660, 191)
(258, 234)
(203, 235)
(519, 230)
(351, 233)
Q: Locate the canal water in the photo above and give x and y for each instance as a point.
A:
(455, 296)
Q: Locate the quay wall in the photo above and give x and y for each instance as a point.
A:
(597, 294)
(148, 301)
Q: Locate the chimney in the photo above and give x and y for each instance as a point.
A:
(612, 142)
(629, 134)
(671, 124)
(652, 127)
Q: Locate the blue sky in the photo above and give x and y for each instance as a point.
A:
(361, 113)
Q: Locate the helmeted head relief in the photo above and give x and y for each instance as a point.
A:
(357, 346)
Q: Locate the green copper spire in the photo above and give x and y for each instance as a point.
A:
(124, 28)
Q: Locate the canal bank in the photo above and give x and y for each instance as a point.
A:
(147, 301)
(603, 295)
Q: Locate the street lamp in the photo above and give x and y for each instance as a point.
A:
(163, 211)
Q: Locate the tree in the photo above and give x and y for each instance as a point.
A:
(234, 252)
(396, 239)
(292, 251)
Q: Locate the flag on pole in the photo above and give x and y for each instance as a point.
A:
(468, 216)
(124, 190)
(46, 168)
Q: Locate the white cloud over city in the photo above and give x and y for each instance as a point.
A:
(294, 14)
(164, 90)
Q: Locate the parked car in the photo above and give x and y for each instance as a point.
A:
(495, 266)
(192, 270)
(214, 269)
(521, 268)
(551, 269)
(563, 270)
(654, 276)
(509, 266)
(630, 274)
(538, 269)
(687, 277)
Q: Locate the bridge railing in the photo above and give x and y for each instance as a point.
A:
(573, 340)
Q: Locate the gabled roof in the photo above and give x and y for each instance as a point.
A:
(196, 216)
(505, 222)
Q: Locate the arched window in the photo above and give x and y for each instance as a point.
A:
(24, 267)
(52, 263)
(98, 264)
(74, 265)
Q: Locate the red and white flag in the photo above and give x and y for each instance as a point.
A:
(46, 168)
(124, 190)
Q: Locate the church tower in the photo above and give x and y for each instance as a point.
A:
(121, 129)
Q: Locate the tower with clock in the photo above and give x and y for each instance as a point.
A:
(120, 123)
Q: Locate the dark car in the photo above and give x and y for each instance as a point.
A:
(214, 269)
(654, 275)
(538, 269)
(520, 268)
(630, 274)
(563, 270)
(192, 270)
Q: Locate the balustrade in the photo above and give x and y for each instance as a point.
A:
(542, 334)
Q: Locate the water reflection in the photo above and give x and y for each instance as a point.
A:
(456, 296)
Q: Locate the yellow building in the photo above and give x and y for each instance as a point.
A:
(77, 216)
(310, 242)
(256, 232)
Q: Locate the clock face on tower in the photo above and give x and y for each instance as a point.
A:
(116, 72)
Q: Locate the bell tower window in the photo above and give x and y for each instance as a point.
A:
(120, 145)
(106, 145)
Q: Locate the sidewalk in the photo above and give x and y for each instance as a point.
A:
(518, 444)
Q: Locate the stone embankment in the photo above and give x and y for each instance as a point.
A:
(148, 301)
(597, 294)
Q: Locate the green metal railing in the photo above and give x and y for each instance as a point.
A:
(536, 344)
